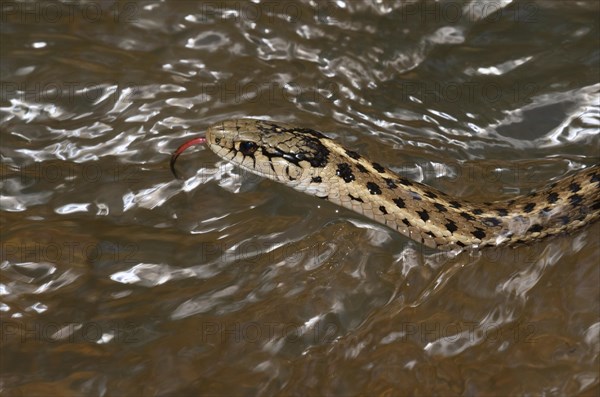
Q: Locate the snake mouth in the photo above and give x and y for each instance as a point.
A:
(192, 142)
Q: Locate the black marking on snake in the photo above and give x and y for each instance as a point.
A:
(575, 199)
(356, 198)
(478, 233)
(477, 211)
(460, 244)
(383, 210)
(455, 204)
(345, 172)
(487, 203)
(552, 198)
(373, 188)
(399, 203)
(378, 167)
(440, 207)
(424, 215)
(467, 216)
(316, 179)
(596, 205)
(406, 222)
(529, 207)
(390, 183)
(361, 168)
(405, 182)
(248, 148)
(430, 195)
(511, 202)
(353, 154)
(535, 229)
(491, 221)
(287, 171)
(565, 219)
(431, 234)
(451, 226)
(415, 195)
(502, 211)
(574, 187)
(595, 178)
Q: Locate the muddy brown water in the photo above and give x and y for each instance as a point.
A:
(118, 280)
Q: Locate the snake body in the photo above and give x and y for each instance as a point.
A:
(310, 162)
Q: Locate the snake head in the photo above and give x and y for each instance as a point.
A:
(274, 150)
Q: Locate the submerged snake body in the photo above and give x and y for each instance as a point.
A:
(308, 161)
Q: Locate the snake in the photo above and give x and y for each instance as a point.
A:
(310, 162)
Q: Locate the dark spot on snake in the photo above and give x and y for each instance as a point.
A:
(532, 194)
(431, 195)
(575, 199)
(491, 221)
(477, 211)
(440, 207)
(451, 226)
(405, 182)
(415, 195)
(595, 178)
(406, 222)
(399, 202)
(487, 203)
(467, 216)
(511, 202)
(378, 167)
(535, 229)
(565, 219)
(431, 234)
(502, 211)
(373, 188)
(287, 171)
(383, 210)
(356, 198)
(361, 168)
(353, 154)
(424, 215)
(529, 207)
(455, 204)
(248, 148)
(544, 210)
(390, 183)
(552, 198)
(316, 179)
(596, 205)
(460, 244)
(479, 233)
(345, 172)
(574, 187)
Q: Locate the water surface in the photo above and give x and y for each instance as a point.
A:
(118, 279)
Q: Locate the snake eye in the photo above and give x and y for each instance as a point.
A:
(247, 147)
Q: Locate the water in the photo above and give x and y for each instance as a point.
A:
(119, 280)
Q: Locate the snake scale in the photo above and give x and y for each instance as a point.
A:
(310, 162)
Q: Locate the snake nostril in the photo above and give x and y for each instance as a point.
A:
(248, 147)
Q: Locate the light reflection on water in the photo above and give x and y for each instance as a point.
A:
(119, 279)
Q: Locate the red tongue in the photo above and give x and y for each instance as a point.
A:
(194, 141)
